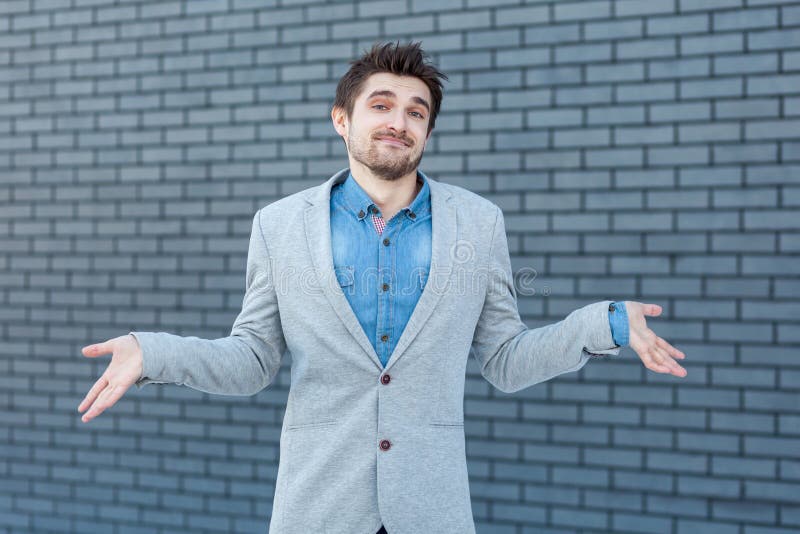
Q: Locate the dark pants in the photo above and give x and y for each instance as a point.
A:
(382, 531)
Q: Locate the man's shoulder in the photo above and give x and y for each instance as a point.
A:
(291, 202)
(469, 200)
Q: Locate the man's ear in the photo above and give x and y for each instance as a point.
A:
(338, 116)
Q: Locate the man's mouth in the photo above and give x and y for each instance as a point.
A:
(393, 141)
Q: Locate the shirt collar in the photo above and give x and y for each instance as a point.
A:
(359, 202)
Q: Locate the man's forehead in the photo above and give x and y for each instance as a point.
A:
(383, 83)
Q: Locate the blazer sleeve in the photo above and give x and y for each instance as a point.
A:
(513, 357)
(243, 363)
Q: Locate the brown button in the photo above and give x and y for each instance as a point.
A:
(611, 307)
(385, 445)
(386, 379)
(384, 337)
(412, 214)
(386, 241)
(361, 213)
(385, 287)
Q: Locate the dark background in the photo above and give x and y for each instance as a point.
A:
(644, 150)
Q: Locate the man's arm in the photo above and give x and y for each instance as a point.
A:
(513, 357)
(243, 363)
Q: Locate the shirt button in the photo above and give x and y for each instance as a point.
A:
(386, 241)
(385, 287)
(384, 337)
(385, 445)
(412, 214)
(385, 379)
(361, 213)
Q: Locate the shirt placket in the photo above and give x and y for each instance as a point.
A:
(385, 268)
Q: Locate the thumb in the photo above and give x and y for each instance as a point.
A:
(98, 349)
(652, 310)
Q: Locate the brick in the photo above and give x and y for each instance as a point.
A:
(647, 92)
(552, 75)
(553, 33)
(616, 115)
(617, 72)
(688, 155)
(679, 68)
(583, 53)
(647, 48)
(777, 84)
(692, 23)
(679, 112)
(774, 39)
(726, 87)
(722, 131)
(515, 16)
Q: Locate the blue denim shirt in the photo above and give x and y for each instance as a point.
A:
(383, 275)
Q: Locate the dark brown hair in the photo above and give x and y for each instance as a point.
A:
(401, 60)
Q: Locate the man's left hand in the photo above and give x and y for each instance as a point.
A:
(656, 354)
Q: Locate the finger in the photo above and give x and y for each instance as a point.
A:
(649, 360)
(652, 310)
(98, 349)
(101, 383)
(672, 351)
(674, 367)
(659, 361)
(100, 404)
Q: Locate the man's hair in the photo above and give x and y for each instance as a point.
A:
(401, 60)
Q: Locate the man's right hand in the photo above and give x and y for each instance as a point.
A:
(123, 371)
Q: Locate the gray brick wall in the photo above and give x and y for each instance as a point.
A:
(641, 149)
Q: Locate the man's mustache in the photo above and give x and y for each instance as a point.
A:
(405, 140)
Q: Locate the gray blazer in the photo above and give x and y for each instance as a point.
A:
(362, 445)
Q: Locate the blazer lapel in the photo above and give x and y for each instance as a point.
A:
(443, 247)
(318, 234)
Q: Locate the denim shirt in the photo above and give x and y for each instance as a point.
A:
(381, 274)
(382, 267)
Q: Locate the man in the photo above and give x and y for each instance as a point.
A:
(379, 282)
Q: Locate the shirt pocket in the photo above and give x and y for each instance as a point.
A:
(344, 275)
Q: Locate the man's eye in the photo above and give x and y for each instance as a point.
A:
(378, 105)
(418, 114)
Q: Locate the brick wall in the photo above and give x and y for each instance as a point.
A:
(640, 149)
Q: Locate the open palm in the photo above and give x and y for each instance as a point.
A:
(123, 371)
(656, 354)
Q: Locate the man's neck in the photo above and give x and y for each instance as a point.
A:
(389, 195)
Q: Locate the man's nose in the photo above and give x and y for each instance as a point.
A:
(397, 121)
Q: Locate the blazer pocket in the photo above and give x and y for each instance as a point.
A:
(446, 424)
(316, 424)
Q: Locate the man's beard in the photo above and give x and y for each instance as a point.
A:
(388, 167)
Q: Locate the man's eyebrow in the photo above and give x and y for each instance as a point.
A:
(387, 93)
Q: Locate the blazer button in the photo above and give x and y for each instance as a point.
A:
(386, 379)
(611, 307)
(385, 445)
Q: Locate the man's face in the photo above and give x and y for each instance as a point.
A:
(389, 126)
